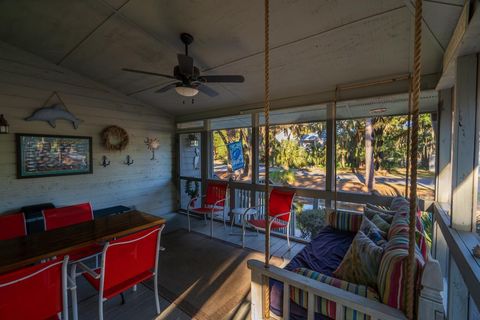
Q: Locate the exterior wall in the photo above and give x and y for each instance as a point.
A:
(25, 82)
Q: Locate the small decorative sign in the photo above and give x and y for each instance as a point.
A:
(48, 155)
(236, 155)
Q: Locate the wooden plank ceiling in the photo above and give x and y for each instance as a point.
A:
(315, 44)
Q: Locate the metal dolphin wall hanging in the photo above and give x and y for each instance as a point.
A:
(53, 113)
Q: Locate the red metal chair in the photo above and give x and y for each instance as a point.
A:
(126, 262)
(66, 216)
(12, 226)
(36, 292)
(215, 199)
(280, 209)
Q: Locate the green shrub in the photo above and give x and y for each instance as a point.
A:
(283, 176)
(310, 222)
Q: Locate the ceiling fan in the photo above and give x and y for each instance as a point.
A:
(188, 79)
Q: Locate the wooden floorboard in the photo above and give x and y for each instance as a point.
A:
(141, 304)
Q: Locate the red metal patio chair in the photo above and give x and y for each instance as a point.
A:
(280, 209)
(215, 200)
(67, 216)
(12, 226)
(35, 292)
(126, 262)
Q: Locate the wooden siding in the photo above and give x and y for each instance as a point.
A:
(25, 82)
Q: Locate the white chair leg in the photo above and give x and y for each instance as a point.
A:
(211, 225)
(224, 220)
(135, 288)
(288, 236)
(188, 218)
(157, 301)
(73, 275)
(100, 308)
(243, 234)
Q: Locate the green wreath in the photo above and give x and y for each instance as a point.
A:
(192, 191)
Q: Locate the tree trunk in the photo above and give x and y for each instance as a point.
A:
(369, 165)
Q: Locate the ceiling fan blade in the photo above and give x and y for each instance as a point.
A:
(231, 78)
(167, 87)
(149, 73)
(207, 90)
(185, 64)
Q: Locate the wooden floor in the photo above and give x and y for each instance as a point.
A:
(141, 304)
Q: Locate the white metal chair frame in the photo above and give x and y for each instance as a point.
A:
(272, 219)
(101, 276)
(65, 280)
(214, 208)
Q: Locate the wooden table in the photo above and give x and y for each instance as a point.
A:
(23, 251)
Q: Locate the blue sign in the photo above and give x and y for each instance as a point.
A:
(236, 155)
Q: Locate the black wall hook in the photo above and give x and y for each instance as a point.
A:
(105, 162)
(129, 161)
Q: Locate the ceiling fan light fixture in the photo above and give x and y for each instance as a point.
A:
(186, 91)
(377, 111)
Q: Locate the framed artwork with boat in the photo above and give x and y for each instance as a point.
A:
(52, 155)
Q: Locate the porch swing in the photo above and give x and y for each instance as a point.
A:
(406, 266)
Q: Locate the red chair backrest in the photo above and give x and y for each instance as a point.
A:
(130, 256)
(33, 292)
(216, 191)
(12, 226)
(280, 202)
(66, 216)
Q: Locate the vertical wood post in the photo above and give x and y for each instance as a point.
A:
(464, 140)
(444, 147)
(330, 179)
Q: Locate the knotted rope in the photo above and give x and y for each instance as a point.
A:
(266, 105)
(417, 55)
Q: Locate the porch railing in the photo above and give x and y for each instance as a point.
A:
(460, 269)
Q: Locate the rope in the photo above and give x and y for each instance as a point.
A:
(334, 139)
(409, 129)
(265, 282)
(417, 55)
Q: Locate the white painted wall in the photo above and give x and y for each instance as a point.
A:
(25, 82)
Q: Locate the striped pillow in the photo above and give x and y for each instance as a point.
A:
(393, 271)
(345, 221)
(328, 307)
(400, 225)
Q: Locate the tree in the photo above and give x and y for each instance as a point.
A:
(369, 165)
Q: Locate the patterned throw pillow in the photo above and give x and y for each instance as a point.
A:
(361, 262)
(380, 223)
(344, 220)
(370, 213)
(373, 232)
(380, 209)
(327, 307)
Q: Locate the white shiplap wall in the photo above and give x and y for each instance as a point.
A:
(25, 82)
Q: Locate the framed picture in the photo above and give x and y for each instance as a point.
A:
(52, 155)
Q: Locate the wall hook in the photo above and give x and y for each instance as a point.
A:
(129, 161)
(105, 162)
